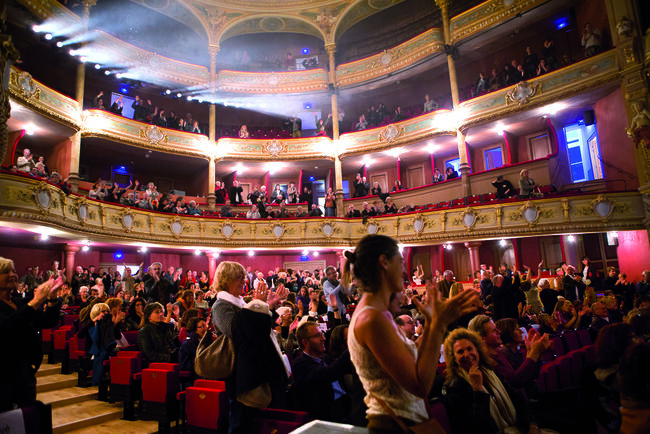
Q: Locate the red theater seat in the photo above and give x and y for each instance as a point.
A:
(206, 408)
(160, 384)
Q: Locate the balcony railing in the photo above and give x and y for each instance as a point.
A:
(28, 202)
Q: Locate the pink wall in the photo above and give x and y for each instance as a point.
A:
(59, 158)
(269, 262)
(27, 257)
(633, 253)
(615, 147)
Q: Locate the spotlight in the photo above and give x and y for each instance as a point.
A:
(36, 28)
(251, 253)
(307, 106)
(72, 52)
(143, 249)
(118, 255)
(118, 75)
(98, 66)
(85, 248)
(83, 59)
(305, 252)
(189, 98)
(316, 254)
(502, 243)
(29, 130)
(571, 239)
(449, 247)
(59, 44)
(48, 36)
(44, 237)
(178, 95)
(305, 51)
(312, 179)
(107, 72)
(197, 252)
(168, 92)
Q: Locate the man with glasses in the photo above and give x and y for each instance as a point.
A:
(316, 384)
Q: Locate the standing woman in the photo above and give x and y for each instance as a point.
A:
(20, 326)
(395, 374)
(330, 203)
(526, 185)
(230, 280)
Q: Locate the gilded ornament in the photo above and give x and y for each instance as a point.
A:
(274, 147)
(390, 133)
(530, 212)
(603, 207)
(154, 135)
(372, 226)
(26, 84)
(126, 217)
(522, 92)
(43, 196)
(81, 209)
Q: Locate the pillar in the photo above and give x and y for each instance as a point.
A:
(338, 181)
(474, 259)
(212, 199)
(75, 146)
(8, 55)
(212, 264)
(70, 253)
(331, 50)
(399, 172)
(453, 81)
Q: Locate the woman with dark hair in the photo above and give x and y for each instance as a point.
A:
(196, 329)
(396, 375)
(135, 316)
(477, 400)
(204, 281)
(185, 319)
(303, 298)
(186, 301)
(600, 385)
(157, 339)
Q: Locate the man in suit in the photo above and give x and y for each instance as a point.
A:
(589, 274)
(600, 318)
(574, 287)
(235, 192)
(316, 383)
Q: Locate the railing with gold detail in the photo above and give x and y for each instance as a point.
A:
(28, 202)
(312, 80)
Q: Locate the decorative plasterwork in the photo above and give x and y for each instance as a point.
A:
(522, 92)
(26, 84)
(390, 133)
(372, 226)
(530, 213)
(176, 226)
(603, 207)
(419, 223)
(42, 196)
(82, 209)
(274, 147)
(126, 218)
(227, 229)
(154, 135)
(469, 217)
(327, 228)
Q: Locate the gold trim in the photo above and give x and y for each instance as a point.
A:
(36, 190)
(79, 202)
(178, 220)
(522, 92)
(530, 205)
(224, 224)
(17, 79)
(329, 223)
(603, 199)
(469, 211)
(121, 215)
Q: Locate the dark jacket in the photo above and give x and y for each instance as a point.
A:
(251, 332)
(159, 291)
(505, 298)
(158, 342)
(312, 384)
(469, 411)
(234, 193)
(570, 285)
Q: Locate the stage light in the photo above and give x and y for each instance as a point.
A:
(118, 255)
(307, 106)
(251, 253)
(59, 44)
(178, 95)
(98, 66)
(168, 92)
(72, 52)
(48, 36)
(29, 130)
(449, 247)
(503, 243)
(197, 252)
(312, 179)
(124, 89)
(143, 249)
(107, 72)
(189, 98)
(83, 59)
(305, 51)
(305, 252)
(44, 237)
(571, 239)
(85, 248)
(36, 28)
(316, 254)
(561, 23)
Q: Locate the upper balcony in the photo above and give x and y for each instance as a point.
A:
(576, 79)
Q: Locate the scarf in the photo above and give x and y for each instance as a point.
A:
(502, 411)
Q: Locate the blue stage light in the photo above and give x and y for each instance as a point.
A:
(307, 106)
(305, 51)
(561, 23)
(118, 255)
(312, 179)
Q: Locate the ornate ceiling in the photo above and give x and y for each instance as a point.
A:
(325, 19)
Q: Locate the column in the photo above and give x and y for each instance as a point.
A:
(8, 55)
(212, 264)
(338, 182)
(399, 174)
(450, 50)
(212, 199)
(70, 253)
(331, 50)
(474, 260)
(75, 141)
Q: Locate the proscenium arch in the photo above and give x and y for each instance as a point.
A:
(339, 30)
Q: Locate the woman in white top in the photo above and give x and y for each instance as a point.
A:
(395, 374)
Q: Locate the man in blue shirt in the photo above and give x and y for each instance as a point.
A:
(333, 287)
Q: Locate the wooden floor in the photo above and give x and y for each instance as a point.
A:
(77, 410)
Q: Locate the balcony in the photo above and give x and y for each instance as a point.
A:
(29, 203)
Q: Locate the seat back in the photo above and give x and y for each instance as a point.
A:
(564, 372)
(61, 336)
(210, 384)
(584, 338)
(122, 369)
(558, 346)
(439, 413)
(137, 355)
(131, 337)
(571, 340)
(206, 407)
(159, 385)
(70, 319)
(548, 376)
(166, 366)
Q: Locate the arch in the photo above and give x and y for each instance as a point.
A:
(223, 34)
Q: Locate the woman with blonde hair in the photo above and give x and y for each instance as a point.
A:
(526, 185)
(477, 401)
(395, 374)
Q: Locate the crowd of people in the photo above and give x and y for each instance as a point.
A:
(39, 170)
(360, 345)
